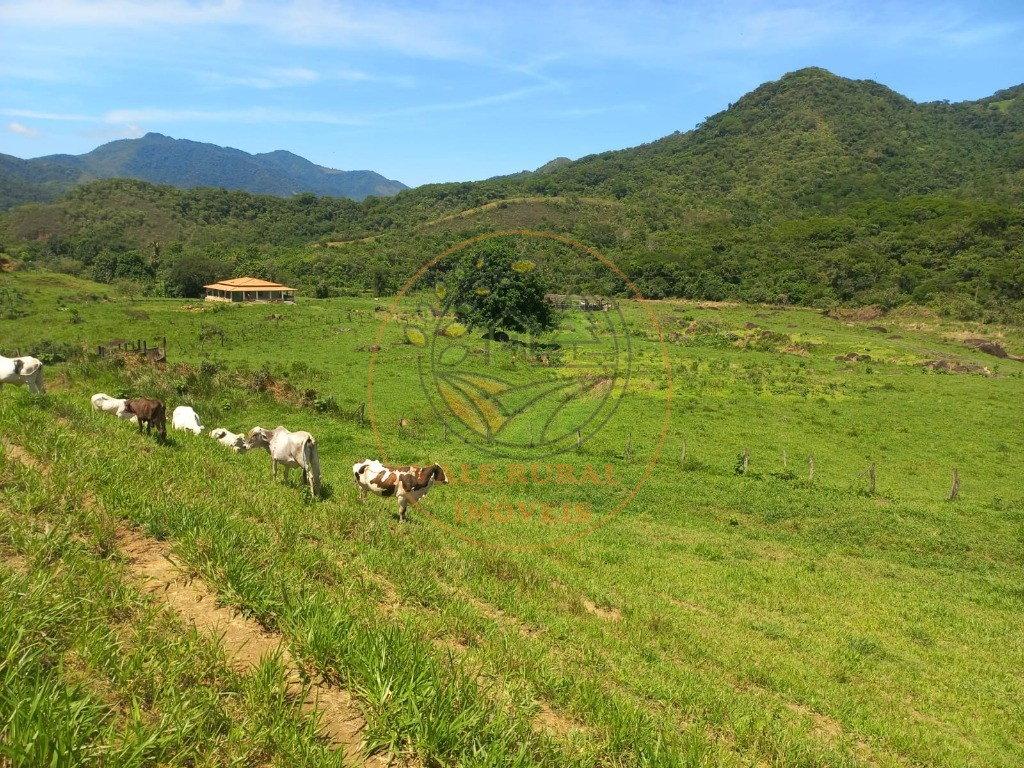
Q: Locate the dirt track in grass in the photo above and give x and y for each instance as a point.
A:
(245, 641)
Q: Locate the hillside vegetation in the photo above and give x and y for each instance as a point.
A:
(813, 190)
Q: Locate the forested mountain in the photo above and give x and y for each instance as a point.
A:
(812, 189)
(186, 164)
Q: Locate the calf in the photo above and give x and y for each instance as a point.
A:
(235, 442)
(186, 419)
(289, 449)
(405, 483)
(104, 402)
(149, 412)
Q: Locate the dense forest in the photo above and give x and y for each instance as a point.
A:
(813, 190)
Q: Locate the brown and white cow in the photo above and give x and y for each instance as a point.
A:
(405, 483)
(149, 412)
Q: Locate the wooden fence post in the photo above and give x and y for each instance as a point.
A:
(629, 446)
(955, 491)
(579, 440)
(871, 478)
(746, 459)
(682, 455)
(810, 474)
(783, 458)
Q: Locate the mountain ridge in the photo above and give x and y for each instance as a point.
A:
(185, 164)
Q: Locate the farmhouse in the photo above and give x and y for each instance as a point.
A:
(248, 289)
(582, 303)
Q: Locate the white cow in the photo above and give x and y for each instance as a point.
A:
(115, 405)
(289, 449)
(186, 419)
(233, 441)
(22, 370)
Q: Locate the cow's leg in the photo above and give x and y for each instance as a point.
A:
(273, 464)
(402, 504)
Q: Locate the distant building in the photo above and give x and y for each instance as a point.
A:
(239, 289)
(576, 301)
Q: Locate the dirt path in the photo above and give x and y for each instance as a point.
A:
(244, 640)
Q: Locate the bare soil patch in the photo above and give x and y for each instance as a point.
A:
(245, 641)
(610, 614)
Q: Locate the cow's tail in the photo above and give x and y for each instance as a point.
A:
(312, 456)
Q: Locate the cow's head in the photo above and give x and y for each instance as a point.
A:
(258, 438)
(437, 472)
(218, 433)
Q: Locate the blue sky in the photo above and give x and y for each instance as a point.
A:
(452, 91)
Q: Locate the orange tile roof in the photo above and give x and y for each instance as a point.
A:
(247, 283)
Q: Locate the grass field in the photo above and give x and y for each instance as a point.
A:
(717, 618)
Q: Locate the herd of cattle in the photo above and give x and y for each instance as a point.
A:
(288, 449)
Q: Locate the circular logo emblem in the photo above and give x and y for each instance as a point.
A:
(511, 386)
(494, 363)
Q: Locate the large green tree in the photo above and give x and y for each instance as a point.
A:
(494, 286)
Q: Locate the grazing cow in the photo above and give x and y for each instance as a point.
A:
(104, 402)
(186, 419)
(406, 483)
(233, 441)
(289, 449)
(19, 371)
(149, 412)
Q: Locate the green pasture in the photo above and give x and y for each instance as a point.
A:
(713, 618)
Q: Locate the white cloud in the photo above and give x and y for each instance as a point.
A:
(34, 115)
(131, 131)
(22, 129)
(251, 115)
(483, 101)
(582, 112)
(120, 13)
(291, 77)
(265, 80)
(434, 33)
